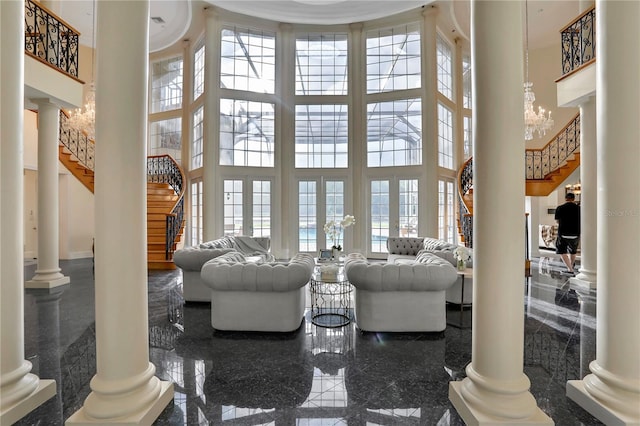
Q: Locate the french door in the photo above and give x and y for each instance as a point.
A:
(247, 206)
(319, 201)
(393, 205)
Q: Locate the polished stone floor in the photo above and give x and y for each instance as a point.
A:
(314, 376)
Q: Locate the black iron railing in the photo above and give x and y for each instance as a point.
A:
(465, 182)
(50, 39)
(164, 169)
(578, 41)
(540, 162)
(77, 142)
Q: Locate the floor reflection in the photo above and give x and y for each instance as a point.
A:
(313, 376)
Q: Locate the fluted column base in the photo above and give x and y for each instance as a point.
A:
(585, 279)
(44, 390)
(47, 279)
(146, 416)
(509, 407)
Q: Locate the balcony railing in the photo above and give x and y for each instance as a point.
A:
(579, 42)
(50, 40)
(540, 162)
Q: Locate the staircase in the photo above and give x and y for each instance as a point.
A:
(165, 192)
(546, 169)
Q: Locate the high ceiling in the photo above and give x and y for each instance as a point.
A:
(171, 19)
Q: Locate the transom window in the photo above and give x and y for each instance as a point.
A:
(445, 137)
(198, 72)
(466, 81)
(467, 136)
(248, 60)
(393, 59)
(394, 133)
(445, 67)
(247, 133)
(321, 136)
(166, 85)
(321, 64)
(196, 141)
(165, 137)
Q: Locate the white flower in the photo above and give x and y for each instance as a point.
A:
(334, 229)
(348, 221)
(461, 253)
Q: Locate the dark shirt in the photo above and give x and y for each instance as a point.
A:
(568, 217)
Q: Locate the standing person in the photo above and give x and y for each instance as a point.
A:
(568, 218)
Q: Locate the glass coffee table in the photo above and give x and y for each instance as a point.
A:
(330, 297)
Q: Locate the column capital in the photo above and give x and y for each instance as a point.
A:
(430, 11)
(356, 26)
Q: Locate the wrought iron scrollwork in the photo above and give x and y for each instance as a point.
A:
(164, 169)
(540, 162)
(465, 217)
(578, 41)
(49, 39)
(77, 142)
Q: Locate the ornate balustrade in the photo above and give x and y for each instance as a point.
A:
(51, 40)
(465, 182)
(540, 162)
(164, 169)
(579, 41)
(77, 142)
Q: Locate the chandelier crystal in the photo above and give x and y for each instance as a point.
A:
(84, 119)
(533, 121)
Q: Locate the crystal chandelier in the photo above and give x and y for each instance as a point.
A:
(84, 120)
(533, 121)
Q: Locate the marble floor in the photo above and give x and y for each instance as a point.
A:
(314, 376)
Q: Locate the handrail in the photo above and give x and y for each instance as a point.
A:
(465, 182)
(164, 169)
(77, 142)
(542, 161)
(578, 41)
(539, 163)
(50, 39)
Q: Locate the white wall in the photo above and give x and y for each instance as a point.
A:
(77, 223)
(545, 66)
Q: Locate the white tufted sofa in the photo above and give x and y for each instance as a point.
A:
(402, 249)
(191, 259)
(400, 297)
(257, 296)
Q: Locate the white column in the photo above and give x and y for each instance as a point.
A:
(588, 198)
(21, 392)
(429, 188)
(124, 389)
(611, 392)
(496, 390)
(212, 207)
(284, 242)
(48, 273)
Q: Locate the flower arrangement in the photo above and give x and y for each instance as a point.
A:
(334, 229)
(462, 254)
